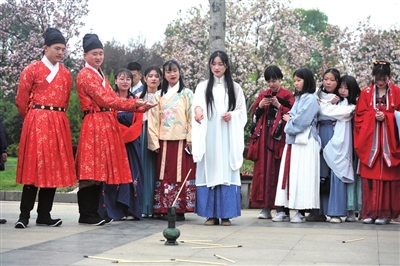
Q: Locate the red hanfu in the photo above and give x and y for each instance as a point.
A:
(266, 166)
(101, 154)
(45, 157)
(377, 146)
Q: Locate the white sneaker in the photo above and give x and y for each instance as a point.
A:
(351, 217)
(265, 214)
(335, 220)
(298, 218)
(281, 217)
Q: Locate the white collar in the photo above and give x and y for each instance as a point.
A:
(99, 72)
(137, 86)
(219, 80)
(173, 89)
(53, 68)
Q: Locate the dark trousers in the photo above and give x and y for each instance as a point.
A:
(45, 201)
(88, 201)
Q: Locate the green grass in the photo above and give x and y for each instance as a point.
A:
(247, 167)
(7, 178)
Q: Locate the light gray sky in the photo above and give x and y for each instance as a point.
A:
(125, 19)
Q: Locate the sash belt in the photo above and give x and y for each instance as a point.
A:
(51, 108)
(103, 109)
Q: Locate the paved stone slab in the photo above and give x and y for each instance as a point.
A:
(263, 242)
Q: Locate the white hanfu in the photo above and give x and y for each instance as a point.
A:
(302, 189)
(338, 152)
(217, 148)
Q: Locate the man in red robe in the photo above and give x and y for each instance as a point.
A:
(45, 158)
(376, 141)
(101, 154)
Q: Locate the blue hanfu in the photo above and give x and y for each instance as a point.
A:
(125, 200)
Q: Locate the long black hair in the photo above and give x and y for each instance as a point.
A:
(228, 79)
(309, 85)
(336, 74)
(168, 67)
(352, 87)
(146, 72)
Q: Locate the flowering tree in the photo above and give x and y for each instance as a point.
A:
(352, 51)
(258, 33)
(265, 32)
(22, 24)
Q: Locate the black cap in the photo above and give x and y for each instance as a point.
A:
(90, 42)
(52, 36)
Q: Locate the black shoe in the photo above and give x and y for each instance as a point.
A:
(22, 223)
(49, 222)
(180, 217)
(91, 221)
(3, 221)
(108, 220)
(157, 216)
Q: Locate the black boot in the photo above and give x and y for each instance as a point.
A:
(88, 201)
(45, 204)
(27, 202)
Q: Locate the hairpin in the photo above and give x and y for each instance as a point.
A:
(380, 62)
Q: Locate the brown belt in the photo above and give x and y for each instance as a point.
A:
(51, 108)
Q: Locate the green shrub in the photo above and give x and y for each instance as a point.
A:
(12, 150)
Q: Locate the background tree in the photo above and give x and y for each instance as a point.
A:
(118, 56)
(258, 33)
(353, 50)
(314, 22)
(217, 25)
(23, 23)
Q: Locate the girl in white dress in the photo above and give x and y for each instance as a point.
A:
(298, 185)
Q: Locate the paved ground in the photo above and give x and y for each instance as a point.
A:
(263, 242)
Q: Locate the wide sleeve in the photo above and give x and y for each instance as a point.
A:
(304, 115)
(236, 129)
(69, 84)
(341, 112)
(131, 133)
(199, 130)
(189, 114)
(240, 111)
(364, 128)
(153, 125)
(24, 91)
(104, 96)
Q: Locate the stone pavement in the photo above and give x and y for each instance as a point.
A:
(263, 242)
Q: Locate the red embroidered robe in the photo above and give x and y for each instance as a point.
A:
(45, 157)
(101, 153)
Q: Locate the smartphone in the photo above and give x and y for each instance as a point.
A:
(267, 96)
(187, 150)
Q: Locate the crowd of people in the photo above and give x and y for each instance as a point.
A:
(330, 151)
(341, 149)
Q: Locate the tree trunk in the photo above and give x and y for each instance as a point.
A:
(217, 25)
